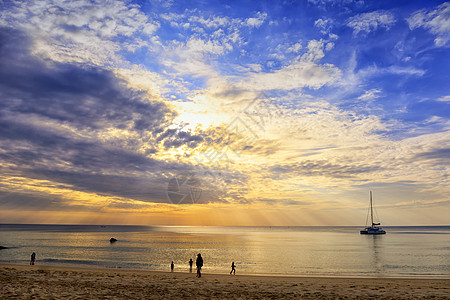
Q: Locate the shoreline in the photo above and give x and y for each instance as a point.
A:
(274, 275)
(41, 281)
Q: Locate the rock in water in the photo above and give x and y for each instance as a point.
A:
(112, 240)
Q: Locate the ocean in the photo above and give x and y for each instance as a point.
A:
(294, 251)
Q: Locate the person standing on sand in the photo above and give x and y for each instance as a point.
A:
(172, 266)
(190, 265)
(233, 268)
(33, 258)
(199, 264)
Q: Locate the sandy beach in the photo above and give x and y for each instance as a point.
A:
(54, 282)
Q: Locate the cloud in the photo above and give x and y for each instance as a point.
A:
(352, 79)
(370, 95)
(436, 21)
(210, 37)
(324, 4)
(193, 57)
(369, 22)
(297, 75)
(174, 138)
(213, 21)
(34, 201)
(315, 51)
(85, 130)
(68, 92)
(81, 126)
(322, 23)
(325, 26)
(295, 48)
(406, 71)
(305, 72)
(444, 98)
(333, 36)
(442, 155)
(256, 21)
(82, 30)
(322, 168)
(78, 116)
(197, 47)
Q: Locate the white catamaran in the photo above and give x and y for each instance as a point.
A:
(373, 228)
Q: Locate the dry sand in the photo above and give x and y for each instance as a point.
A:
(50, 282)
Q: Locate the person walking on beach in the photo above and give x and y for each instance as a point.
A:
(191, 262)
(233, 268)
(172, 266)
(199, 264)
(33, 258)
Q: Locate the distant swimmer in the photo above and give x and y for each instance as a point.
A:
(199, 264)
(191, 262)
(33, 258)
(172, 266)
(233, 268)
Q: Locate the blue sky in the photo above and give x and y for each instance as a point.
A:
(285, 112)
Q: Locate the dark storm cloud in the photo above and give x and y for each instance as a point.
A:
(174, 138)
(85, 96)
(138, 187)
(52, 119)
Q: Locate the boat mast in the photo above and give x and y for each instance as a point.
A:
(371, 209)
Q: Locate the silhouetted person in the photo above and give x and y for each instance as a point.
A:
(199, 264)
(172, 266)
(233, 268)
(33, 258)
(191, 262)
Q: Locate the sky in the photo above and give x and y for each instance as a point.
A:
(224, 112)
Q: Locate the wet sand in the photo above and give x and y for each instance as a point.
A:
(52, 282)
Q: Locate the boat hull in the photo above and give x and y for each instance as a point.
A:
(373, 231)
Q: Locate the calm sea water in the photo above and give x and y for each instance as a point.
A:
(315, 251)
